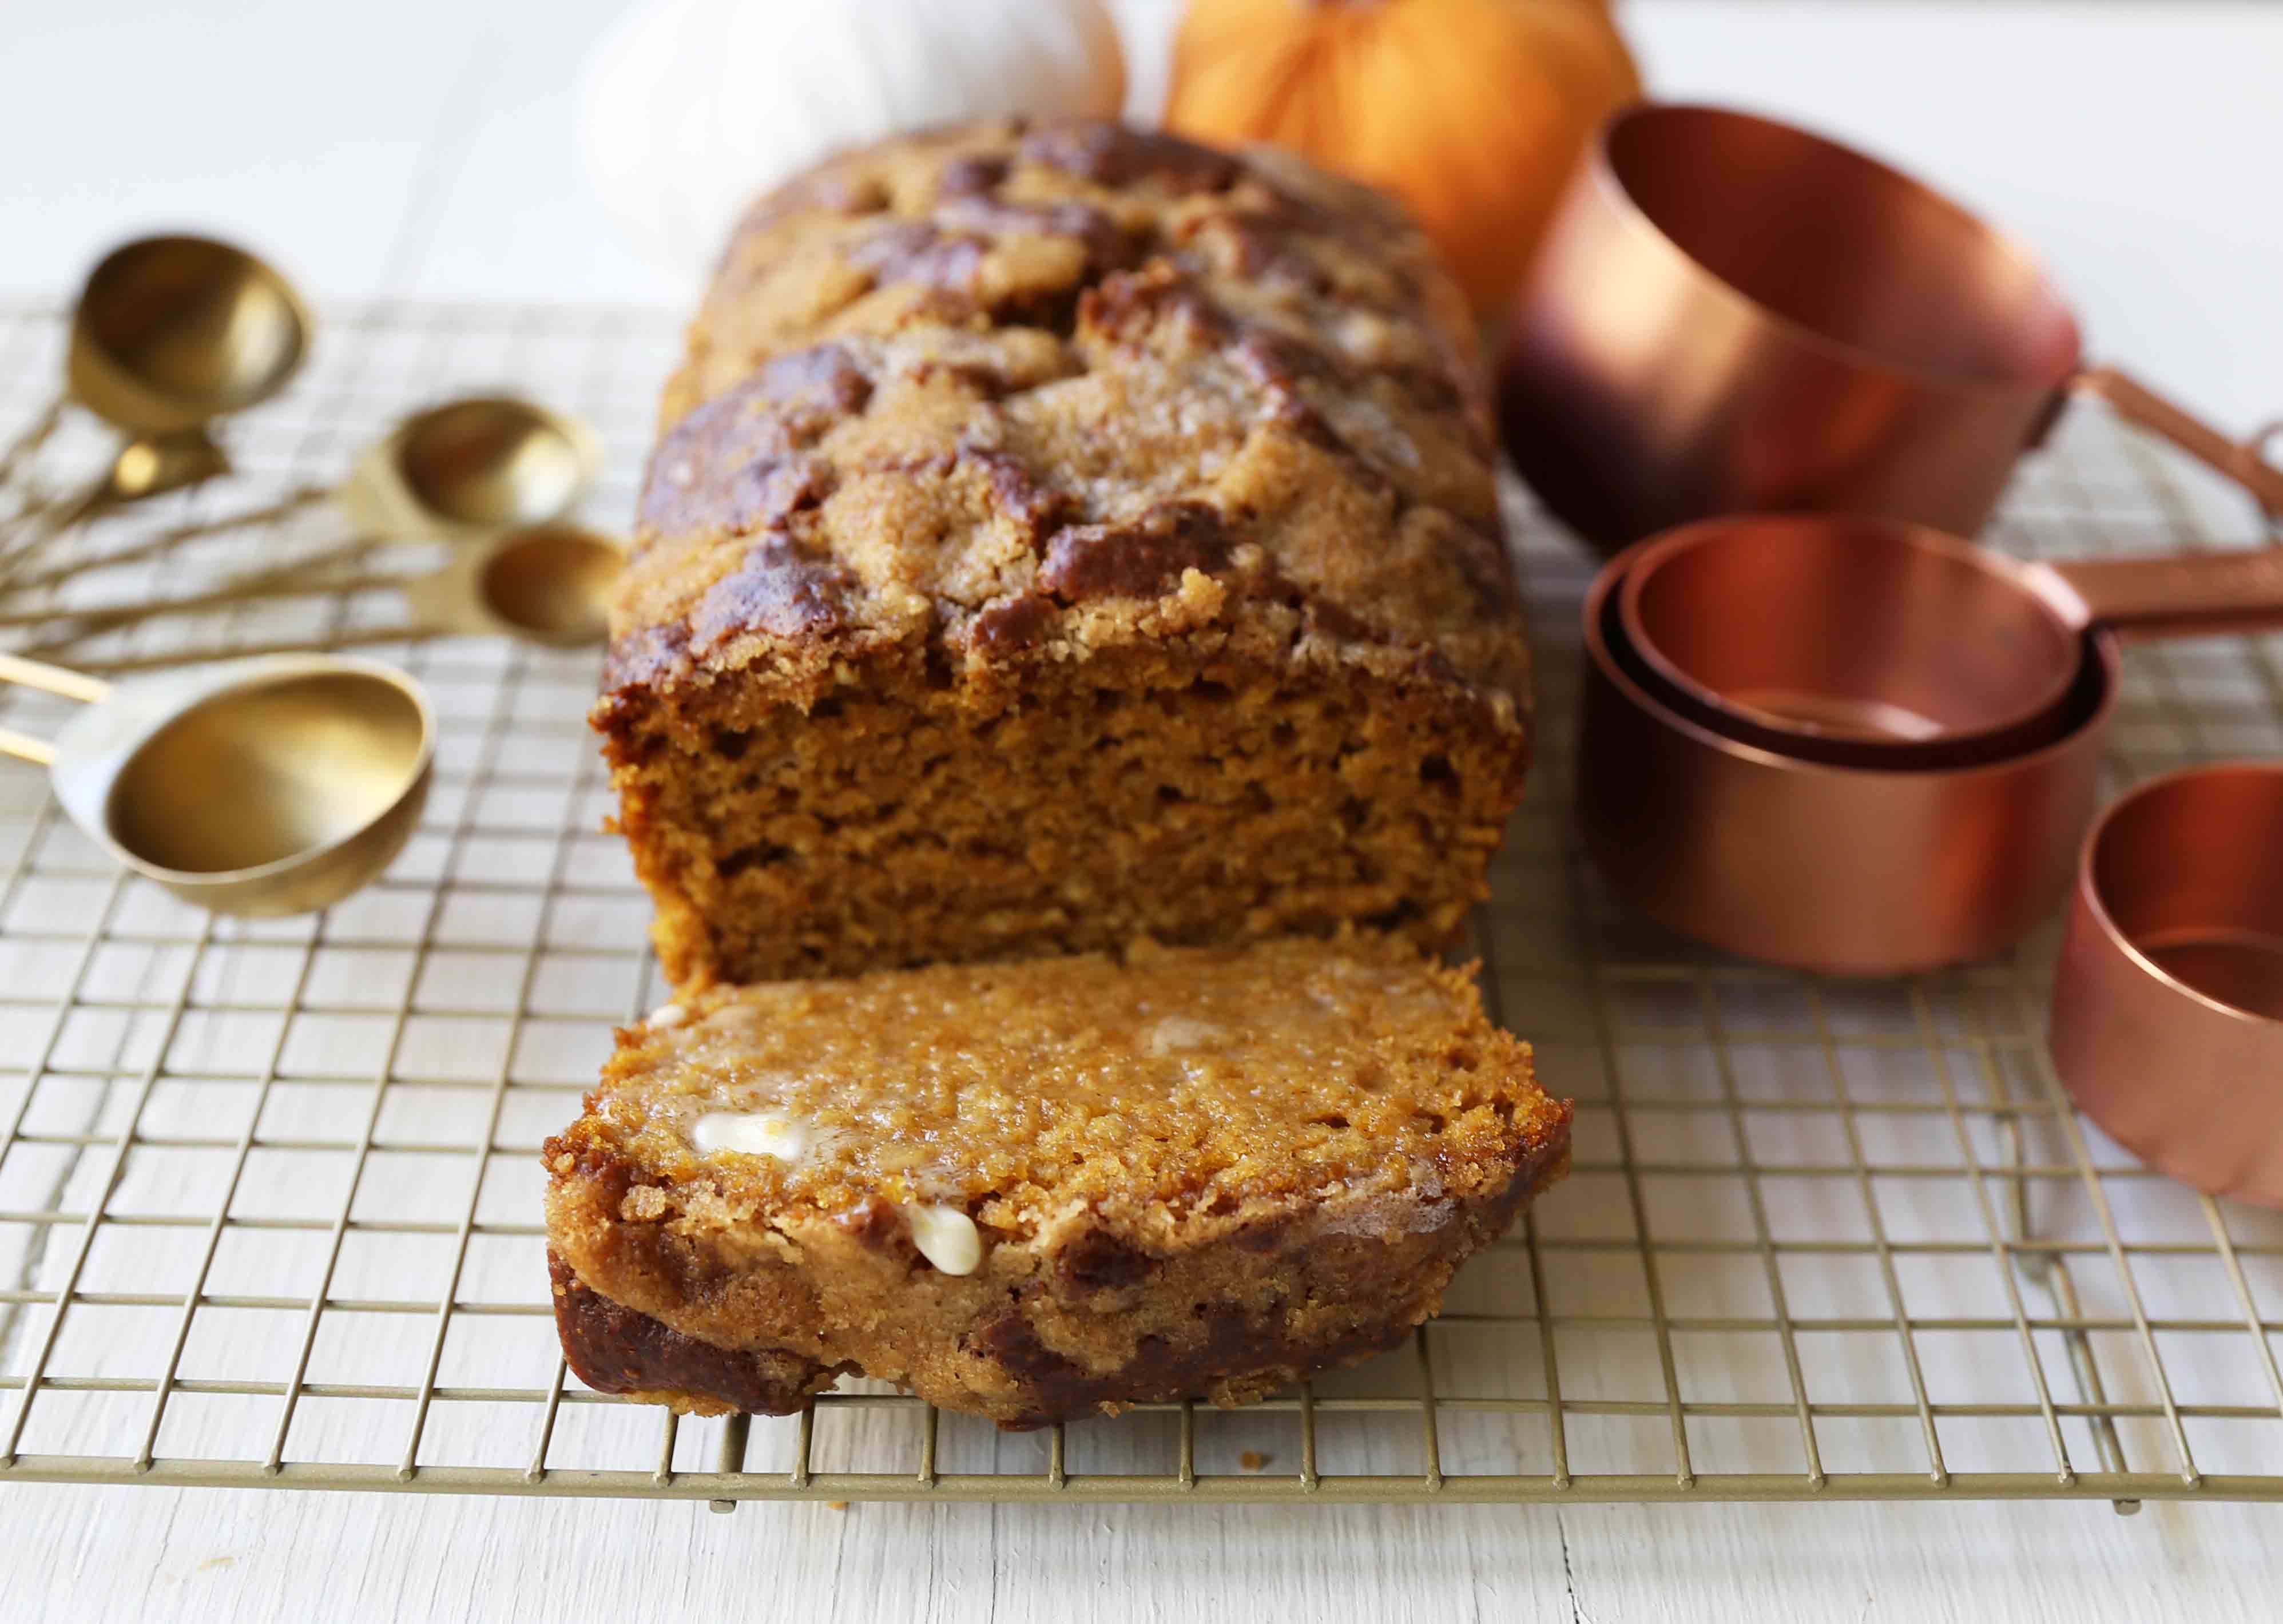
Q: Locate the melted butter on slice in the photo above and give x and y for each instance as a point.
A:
(752, 1133)
(1177, 1034)
(946, 1237)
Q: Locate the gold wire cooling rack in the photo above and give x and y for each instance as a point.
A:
(269, 1190)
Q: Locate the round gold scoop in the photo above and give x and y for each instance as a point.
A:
(549, 584)
(169, 334)
(471, 465)
(452, 471)
(263, 786)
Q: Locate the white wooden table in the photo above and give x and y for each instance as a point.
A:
(422, 151)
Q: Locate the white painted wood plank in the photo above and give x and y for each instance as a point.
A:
(257, 1557)
(2024, 1564)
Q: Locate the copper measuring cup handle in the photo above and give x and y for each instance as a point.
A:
(2182, 595)
(2239, 460)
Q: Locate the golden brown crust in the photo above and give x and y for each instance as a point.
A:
(613, 1349)
(1216, 1342)
(920, 365)
(1200, 1173)
(995, 420)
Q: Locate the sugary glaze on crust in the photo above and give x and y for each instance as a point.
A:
(1196, 1077)
(1060, 534)
(1201, 1173)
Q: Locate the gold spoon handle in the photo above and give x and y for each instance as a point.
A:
(176, 534)
(26, 445)
(53, 679)
(23, 747)
(282, 580)
(37, 526)
(144, 467)
(364, 638)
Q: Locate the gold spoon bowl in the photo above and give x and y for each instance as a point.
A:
(168, 334)
(260, 787)
(492, 461)
(551, 583)
(470, 466)
(171, 333)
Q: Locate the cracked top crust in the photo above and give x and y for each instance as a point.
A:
(996, 395)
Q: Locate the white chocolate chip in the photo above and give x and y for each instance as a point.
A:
(947, 1237)
(668, 1015)
(1177, 1033)
(752, 1133)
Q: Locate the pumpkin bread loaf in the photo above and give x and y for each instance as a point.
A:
(1060, 535)
(1034, 1192)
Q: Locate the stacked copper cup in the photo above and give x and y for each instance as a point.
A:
(1781, 380)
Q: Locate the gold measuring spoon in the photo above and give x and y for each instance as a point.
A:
(451, 471)
(471, 465)
(265, 786)
(549, 584)
(169, 333)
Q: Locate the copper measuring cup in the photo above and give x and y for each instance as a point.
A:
(1841, 868)
(2168, 1001)
(1730, 315)
(1882, 643)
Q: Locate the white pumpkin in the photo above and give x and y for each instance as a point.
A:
(693, 107)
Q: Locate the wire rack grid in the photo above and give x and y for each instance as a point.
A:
(269, 1190)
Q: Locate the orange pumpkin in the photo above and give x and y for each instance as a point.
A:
(1473, 111)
